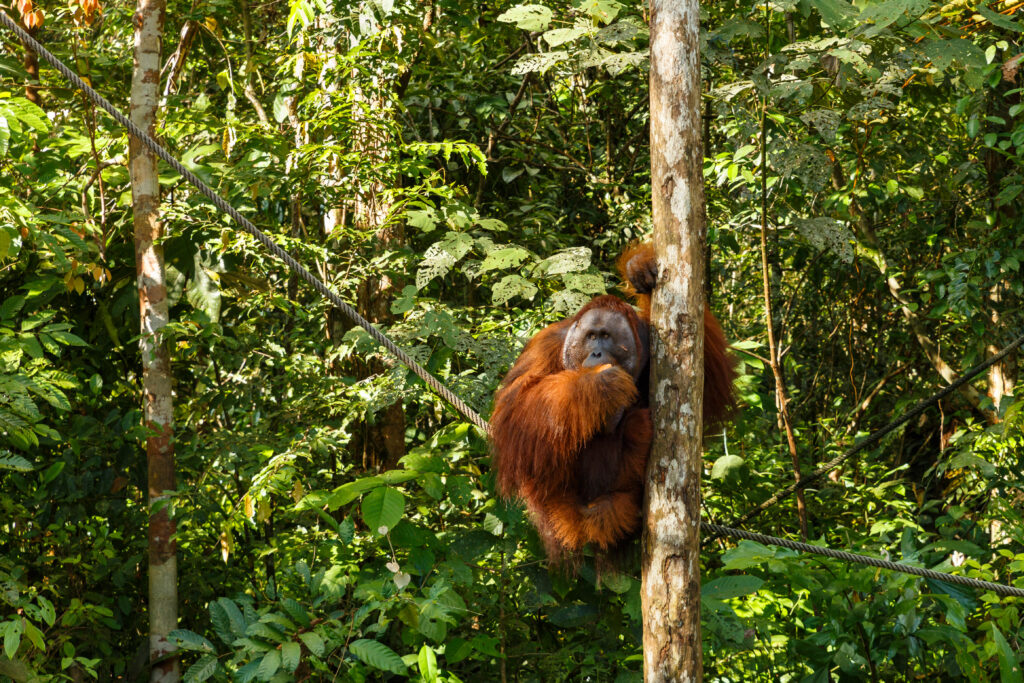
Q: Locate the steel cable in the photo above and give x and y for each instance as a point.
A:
(997, 588)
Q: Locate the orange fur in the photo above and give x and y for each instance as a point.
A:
(719, 366)
(645, 250)
(581, 478)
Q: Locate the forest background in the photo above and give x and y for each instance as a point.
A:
(466, 172)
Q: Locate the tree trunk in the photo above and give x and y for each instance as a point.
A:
(31, 64)
(774, 356)
(671, 544)
(382, 441)
(156, 370)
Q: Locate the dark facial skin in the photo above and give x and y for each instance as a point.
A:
(601, 337)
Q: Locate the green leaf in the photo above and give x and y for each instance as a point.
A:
(296, 611)
(52, 471)
(572, 260)
(1009, 667)
(537, 62)
(441, 256)
(188, 640)
(204, 667)
(968, 459)
(510, 286)
(528, 17)
(425, 219)
(997, 19)
(420, 462)
(346, 493)
(221, 623)
(500, 259)
(35, 636)
(5, 136)
(601, 10)
(558, 36)
(300, 13)
(5, 243)
(259, 629)
(457, 649)
(236, 622)
(427, 661)
(12, 636)
(617, 582)
(291, 654)
(313, 642)
(49, 393)
(835, 13)
(269, 665)
(726, 465)
(30, 114)
(406, 302)
(378, 655)
(883, 14)
(203, 292)
(727, 587)
(383, 507)
(492, 224)
(9, 461)
(748, 554)
(347, 530)
(432, 484)
(392, 477)
(247, 672)
(46, 610)
(493, 524)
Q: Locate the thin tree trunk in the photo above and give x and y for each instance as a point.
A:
(781, 399)
(31, 64)
(1002, 377)
(383, 440)
(156, 370)
(671, 544)
(31, 20)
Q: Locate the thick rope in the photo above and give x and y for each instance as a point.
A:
(878, 435)
(459, 404)
(997, 588)
(218, 201)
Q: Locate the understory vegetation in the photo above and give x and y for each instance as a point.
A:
(465, 173)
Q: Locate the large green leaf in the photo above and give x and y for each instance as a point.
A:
(378, 655)
(269, 665)
(528, 17)
(383, 508)
(202, 669)
(291, 653)
(9, 461)
(188, 640)
(313, 642)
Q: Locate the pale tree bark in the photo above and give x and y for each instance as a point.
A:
(156, 370)
(1002, 377)
(671, 544)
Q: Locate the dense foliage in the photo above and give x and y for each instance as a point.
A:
(467, 172)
